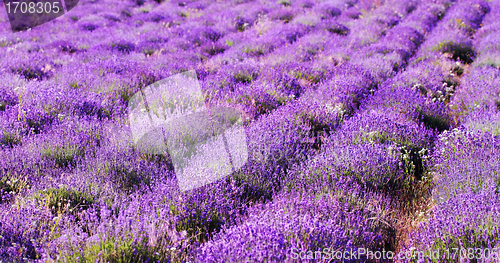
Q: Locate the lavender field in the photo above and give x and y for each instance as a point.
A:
(370, 125)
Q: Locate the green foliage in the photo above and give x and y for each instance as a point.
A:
(286, 17)
(255, 51)
(241, 25)
(5, 43)
(215, 49)
(244, 78)
(10, 139)
(459, 23)
(126, 177)
(148, 52)
(382, 137)
(459, 51)
(124, 93)
(253, 188)
(11, 185)
(262, 105)
(284, 2)
(197, 220)
(63, 200)
(118, 250)
(490, 60)
(435, 122)
(29, 73)
(162, 159)
(124, 47)
(63, 156)
(74, 85)
(314, 78)
(3, 105)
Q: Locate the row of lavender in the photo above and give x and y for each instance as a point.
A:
(465, 217)
(244, 76)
